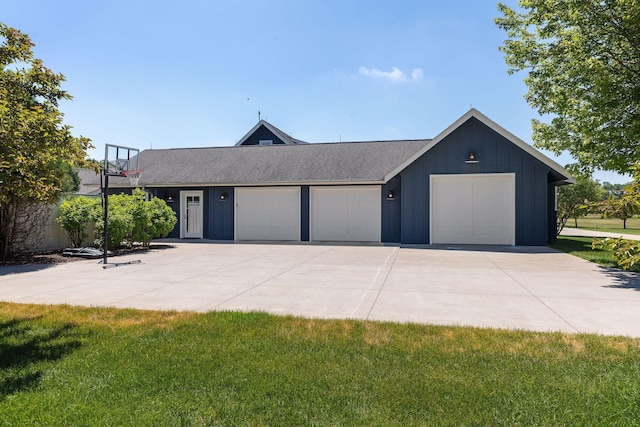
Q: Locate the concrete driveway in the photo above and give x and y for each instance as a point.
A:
(532, 288)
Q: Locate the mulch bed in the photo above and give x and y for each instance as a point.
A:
(56, 257)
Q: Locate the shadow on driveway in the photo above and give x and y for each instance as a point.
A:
(622, 279)
(6, 270)
(486, 248)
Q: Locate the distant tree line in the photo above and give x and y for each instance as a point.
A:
(587, 196)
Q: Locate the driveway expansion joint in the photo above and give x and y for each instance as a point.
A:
(535, 296)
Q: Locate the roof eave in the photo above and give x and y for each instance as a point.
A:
(254, 184)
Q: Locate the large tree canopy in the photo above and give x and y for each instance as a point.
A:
(583, 64)
(33, 139)
(36, 148)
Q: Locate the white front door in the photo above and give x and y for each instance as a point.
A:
(191, 214)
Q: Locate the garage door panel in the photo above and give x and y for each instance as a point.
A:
(473, 209)
(270, 213)
(350, 213)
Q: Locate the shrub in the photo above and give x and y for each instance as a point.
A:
(163, 218)
(626, 252)
(132, 219)
(138, 206)
(76, 214)
(152, 219)
(121, 222)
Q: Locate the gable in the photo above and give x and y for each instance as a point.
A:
(262, 134)
(493, 152)
(475, 132)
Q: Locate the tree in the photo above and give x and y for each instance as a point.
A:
(622, 208)
(35, 146)
(613, 190)
(626, 252)
(583, 63)
(628, 203)
(573, 199)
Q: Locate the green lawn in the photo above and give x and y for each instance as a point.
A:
(88, 366)
(595, 222)
(581, 247)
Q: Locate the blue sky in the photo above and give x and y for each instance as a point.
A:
(195, 73)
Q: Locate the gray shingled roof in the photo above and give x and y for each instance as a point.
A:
(346, 162)
(88, 181)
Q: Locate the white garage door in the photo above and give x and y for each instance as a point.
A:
(473, 209)
(268, 213)
(345, 214)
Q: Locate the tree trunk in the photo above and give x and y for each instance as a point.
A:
(576, 221)
(624, 223)
(7, 225)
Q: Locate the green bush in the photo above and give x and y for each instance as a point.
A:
(626, 252)
(163, 218)
(76, 214)
(132, 219)
(138, 206)
(152, 219)
(121, 223)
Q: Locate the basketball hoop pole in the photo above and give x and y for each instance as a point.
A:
(118, 161)
(105, 217)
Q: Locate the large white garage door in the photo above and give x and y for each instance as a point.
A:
(473, 209)
(345, 214)
(268, 213)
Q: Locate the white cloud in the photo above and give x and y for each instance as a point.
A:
(395, 75)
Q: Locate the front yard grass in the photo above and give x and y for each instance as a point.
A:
(581, 247)
(66, 365)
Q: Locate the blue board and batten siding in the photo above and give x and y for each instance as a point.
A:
(217, 214)
(304, 213)
(261, 134)
(495, 154)
(391, 211)
(221, 213)
(405, 216)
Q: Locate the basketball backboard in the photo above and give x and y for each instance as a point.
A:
(119, 159)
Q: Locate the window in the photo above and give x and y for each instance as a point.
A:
(266, 142)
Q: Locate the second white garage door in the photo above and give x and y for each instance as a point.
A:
(268, 213)
(473, 209)
(345, 214)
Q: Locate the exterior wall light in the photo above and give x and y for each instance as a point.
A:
(471, 159)
(391, 195)
(170, 199)
(223, 196)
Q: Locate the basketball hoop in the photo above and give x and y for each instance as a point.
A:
(133, 175)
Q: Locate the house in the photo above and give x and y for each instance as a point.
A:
(474, 183)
